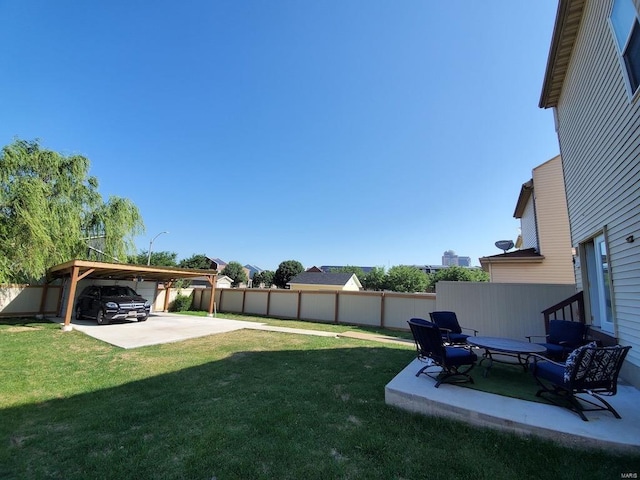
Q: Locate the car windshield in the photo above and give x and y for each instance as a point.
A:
(117, 291)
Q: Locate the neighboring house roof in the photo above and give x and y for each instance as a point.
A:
(565, 32)
(524, 255)
(317, 278)
(252, 270)
(314, 269)
(201, 282)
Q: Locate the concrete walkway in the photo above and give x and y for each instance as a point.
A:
(167, 328)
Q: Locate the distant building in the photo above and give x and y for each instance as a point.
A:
(449, 258)
(464, 261)
(429, 268)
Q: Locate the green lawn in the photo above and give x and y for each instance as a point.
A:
(241, 405)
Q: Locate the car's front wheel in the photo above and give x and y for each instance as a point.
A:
(101, 319)
(79, 313)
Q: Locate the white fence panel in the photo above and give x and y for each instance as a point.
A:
(318, 306)
(256, 302)
(360, 308)
(399, 308)
(511, 310)
(231, 300)
(283, 304)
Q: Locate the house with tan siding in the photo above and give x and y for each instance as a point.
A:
(544, 252)
(592, 83)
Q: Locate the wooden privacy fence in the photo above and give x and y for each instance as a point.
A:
(375, 309)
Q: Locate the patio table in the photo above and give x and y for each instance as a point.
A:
(518, 349)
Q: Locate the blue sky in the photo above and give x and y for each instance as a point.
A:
(359, 132)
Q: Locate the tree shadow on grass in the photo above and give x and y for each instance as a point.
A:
(268, 414)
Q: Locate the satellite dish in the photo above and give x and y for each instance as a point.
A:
(504, 245)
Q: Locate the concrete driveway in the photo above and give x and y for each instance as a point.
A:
(164, 327)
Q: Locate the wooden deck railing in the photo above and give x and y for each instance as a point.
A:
(571, 308)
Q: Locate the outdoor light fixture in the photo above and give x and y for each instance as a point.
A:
(150, 245)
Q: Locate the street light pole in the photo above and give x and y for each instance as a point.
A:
(150, 245)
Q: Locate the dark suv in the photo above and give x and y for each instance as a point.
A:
(111, 302)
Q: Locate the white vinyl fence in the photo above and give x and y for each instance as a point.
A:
(494, 309)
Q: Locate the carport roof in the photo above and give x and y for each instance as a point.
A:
(123, 271)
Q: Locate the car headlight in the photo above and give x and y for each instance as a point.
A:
(147, 303)
(111, 305)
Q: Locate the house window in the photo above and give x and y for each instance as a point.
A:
(626, 28)
(597, 282)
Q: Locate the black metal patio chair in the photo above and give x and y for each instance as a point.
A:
(453, 363)
(589, 370)
(449, 327)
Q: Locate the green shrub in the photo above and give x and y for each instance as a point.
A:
(182, 303)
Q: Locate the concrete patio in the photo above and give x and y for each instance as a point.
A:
(603, 430)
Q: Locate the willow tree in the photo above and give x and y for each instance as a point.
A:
(51, 212)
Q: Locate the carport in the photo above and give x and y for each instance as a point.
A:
(77, 270)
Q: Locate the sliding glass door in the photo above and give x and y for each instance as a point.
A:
(599, 283)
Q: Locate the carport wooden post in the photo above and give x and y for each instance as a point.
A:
(72, 296)
(75, 278)
(212, 282)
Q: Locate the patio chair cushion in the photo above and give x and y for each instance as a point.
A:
(550, 371)
(457, 356)
(564, 332)
(570, 364)
(448, 321)
(562, 337)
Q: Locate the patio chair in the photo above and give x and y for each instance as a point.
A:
(453, 363)
(449, 327)
(563, 336)
(589, 370)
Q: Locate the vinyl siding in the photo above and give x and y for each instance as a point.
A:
(553, 222)
(524, 273)
(544, 227)
(599, 131)
(528, 226)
